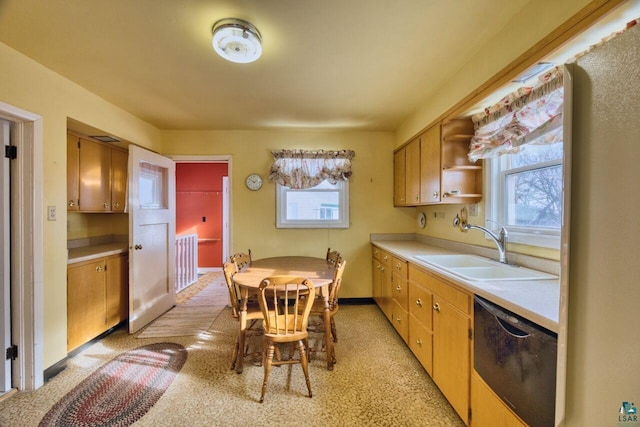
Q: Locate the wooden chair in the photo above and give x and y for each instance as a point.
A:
(333, 257)
(287, 325)
(318, 307)
(241, 259)
(254, 314)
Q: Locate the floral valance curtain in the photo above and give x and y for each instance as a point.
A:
(299, 169)
(530, 115)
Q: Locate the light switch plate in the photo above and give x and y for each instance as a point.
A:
(473, 209)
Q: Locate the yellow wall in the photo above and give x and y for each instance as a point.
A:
(83, 225)
(32, 87)
(253, 212)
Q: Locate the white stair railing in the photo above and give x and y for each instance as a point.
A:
(186, 260)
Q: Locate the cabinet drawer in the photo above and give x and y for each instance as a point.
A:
(420, 305)
(400, 267)
(381, 255)
(400, 320)
(421, 343)
(456, 297)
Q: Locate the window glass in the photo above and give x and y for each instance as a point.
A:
(323, 206)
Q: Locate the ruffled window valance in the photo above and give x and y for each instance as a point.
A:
(530, 115)
(299, 169)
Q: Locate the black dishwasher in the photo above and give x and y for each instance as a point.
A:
(517, 359)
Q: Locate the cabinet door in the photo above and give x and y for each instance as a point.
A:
(95, 177)
(399, 178)
(119, 164)
(430, 165)
(387, 292)
(421, 343)
(412, 179)
(85, 302)
(73, 172)
(117, 290)
(451, 357)
(376, 274)
(400, 320)
(400, 287)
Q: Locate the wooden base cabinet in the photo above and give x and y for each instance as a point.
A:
(487, 409)
(381, 273)
(421, 325)
(451, 349)
(400, 297)
(97, 297)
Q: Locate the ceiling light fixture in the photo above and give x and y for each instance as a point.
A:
(237, 40)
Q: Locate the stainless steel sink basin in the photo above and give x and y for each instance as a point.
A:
(472, 267)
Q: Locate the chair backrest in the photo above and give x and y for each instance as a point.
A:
(241, 259)
(229, 269)
(334, 287)
(333, 257)
(296, 295)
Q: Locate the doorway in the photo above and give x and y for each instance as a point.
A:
(200, 206)
(22, 324)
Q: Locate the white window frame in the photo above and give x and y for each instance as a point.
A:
(281, 215)
(496, 204)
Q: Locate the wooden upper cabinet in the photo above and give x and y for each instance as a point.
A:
(73, 172)
(412, 183)
(434, 168)
(430, 165)
(95, 177)
(399, 178)
(119, 165)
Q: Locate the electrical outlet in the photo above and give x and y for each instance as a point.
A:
(51, 213)
(473, 209)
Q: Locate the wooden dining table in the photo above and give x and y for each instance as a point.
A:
(317, 270)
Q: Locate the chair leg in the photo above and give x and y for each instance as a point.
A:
(333, 330)
(267, 368)
(234, 356)
(304, 361)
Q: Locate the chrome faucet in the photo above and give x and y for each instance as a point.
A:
(500, 241)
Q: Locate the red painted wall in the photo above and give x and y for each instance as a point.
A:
(199, 208)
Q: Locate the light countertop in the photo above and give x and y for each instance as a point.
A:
(87, 253)
(535, 300)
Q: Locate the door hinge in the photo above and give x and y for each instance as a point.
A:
(12, 352)
(11, 152)
(469, 414)
(471, 334)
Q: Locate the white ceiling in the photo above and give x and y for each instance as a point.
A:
(326, 64)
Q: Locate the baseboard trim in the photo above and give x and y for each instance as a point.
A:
(61, 365)
(356, 301)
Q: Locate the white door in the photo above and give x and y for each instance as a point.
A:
(5, 249)
(151, 236)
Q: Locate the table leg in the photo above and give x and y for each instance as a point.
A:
(244, 292)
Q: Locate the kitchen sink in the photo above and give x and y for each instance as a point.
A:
(472, 267)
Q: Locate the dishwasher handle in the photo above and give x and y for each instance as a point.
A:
(515, 325)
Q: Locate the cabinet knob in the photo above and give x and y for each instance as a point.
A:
(99, 268)
(116, 205)
(436, 307)
(398, 266)
(137, 247)
(435, 194)
(106, 205)
(419, 342)
(419, 302)
(417, 198)
(398, 319)
(385, 258)
(398, 288)
(71, 203)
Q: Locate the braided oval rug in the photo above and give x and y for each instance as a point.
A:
(122, 391)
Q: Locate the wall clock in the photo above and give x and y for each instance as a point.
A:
(254, 182)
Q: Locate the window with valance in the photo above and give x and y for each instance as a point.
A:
(530, 115)
(299, 169)
(313, 188)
